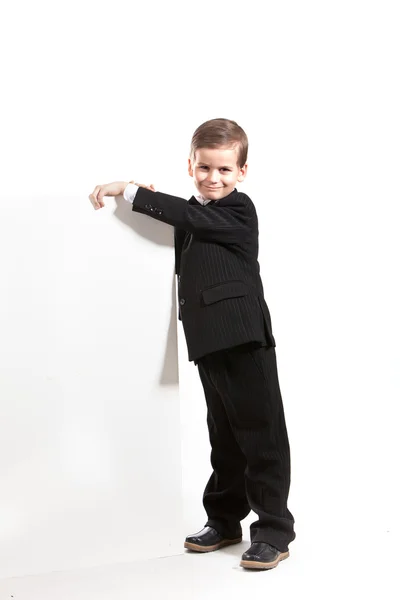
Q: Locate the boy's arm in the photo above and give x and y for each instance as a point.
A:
(211, 222)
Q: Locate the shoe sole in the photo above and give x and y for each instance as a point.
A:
(254, 564)
(221, 544)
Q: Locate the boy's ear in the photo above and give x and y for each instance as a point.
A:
(242, 172)
(190, 168)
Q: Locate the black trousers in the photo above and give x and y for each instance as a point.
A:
(250, 453)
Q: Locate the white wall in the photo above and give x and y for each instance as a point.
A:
(90, 459)
(95, 94)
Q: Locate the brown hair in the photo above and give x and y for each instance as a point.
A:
(220, 132)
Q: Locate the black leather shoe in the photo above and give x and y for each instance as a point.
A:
(208, 539)
(261, 555)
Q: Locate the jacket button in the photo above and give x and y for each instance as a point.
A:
(182, 301)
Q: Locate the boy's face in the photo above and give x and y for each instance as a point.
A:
(215, 171)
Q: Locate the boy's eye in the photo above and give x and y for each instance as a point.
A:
(223, 169)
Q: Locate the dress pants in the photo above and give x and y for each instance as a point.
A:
(250, 453)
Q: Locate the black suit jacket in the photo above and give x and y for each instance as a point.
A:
(220, 293)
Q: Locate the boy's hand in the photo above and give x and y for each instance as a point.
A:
(109, 189)
(112, 189)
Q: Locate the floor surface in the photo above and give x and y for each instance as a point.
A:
(366, 569)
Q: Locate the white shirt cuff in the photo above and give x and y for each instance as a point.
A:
(130, 192)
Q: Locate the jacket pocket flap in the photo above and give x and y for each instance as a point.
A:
(231, 289)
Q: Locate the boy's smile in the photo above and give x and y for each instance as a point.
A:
(215, 171)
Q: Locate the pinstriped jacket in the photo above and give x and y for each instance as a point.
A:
(220, 292)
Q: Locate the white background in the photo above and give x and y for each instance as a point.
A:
(90, 456)
(94, 93)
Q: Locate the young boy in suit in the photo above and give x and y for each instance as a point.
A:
(228, 331)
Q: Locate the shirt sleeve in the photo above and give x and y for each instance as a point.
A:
(130, 192)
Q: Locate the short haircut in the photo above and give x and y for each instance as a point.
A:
(220, 132)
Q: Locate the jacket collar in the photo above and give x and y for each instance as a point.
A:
(222, 201)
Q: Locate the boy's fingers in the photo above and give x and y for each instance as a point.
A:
(96, 191)
(93, 200)
(101, 194)
(94, 197)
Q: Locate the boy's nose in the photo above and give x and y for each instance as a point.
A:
(213, 176)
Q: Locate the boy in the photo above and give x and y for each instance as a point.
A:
(229, 337)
